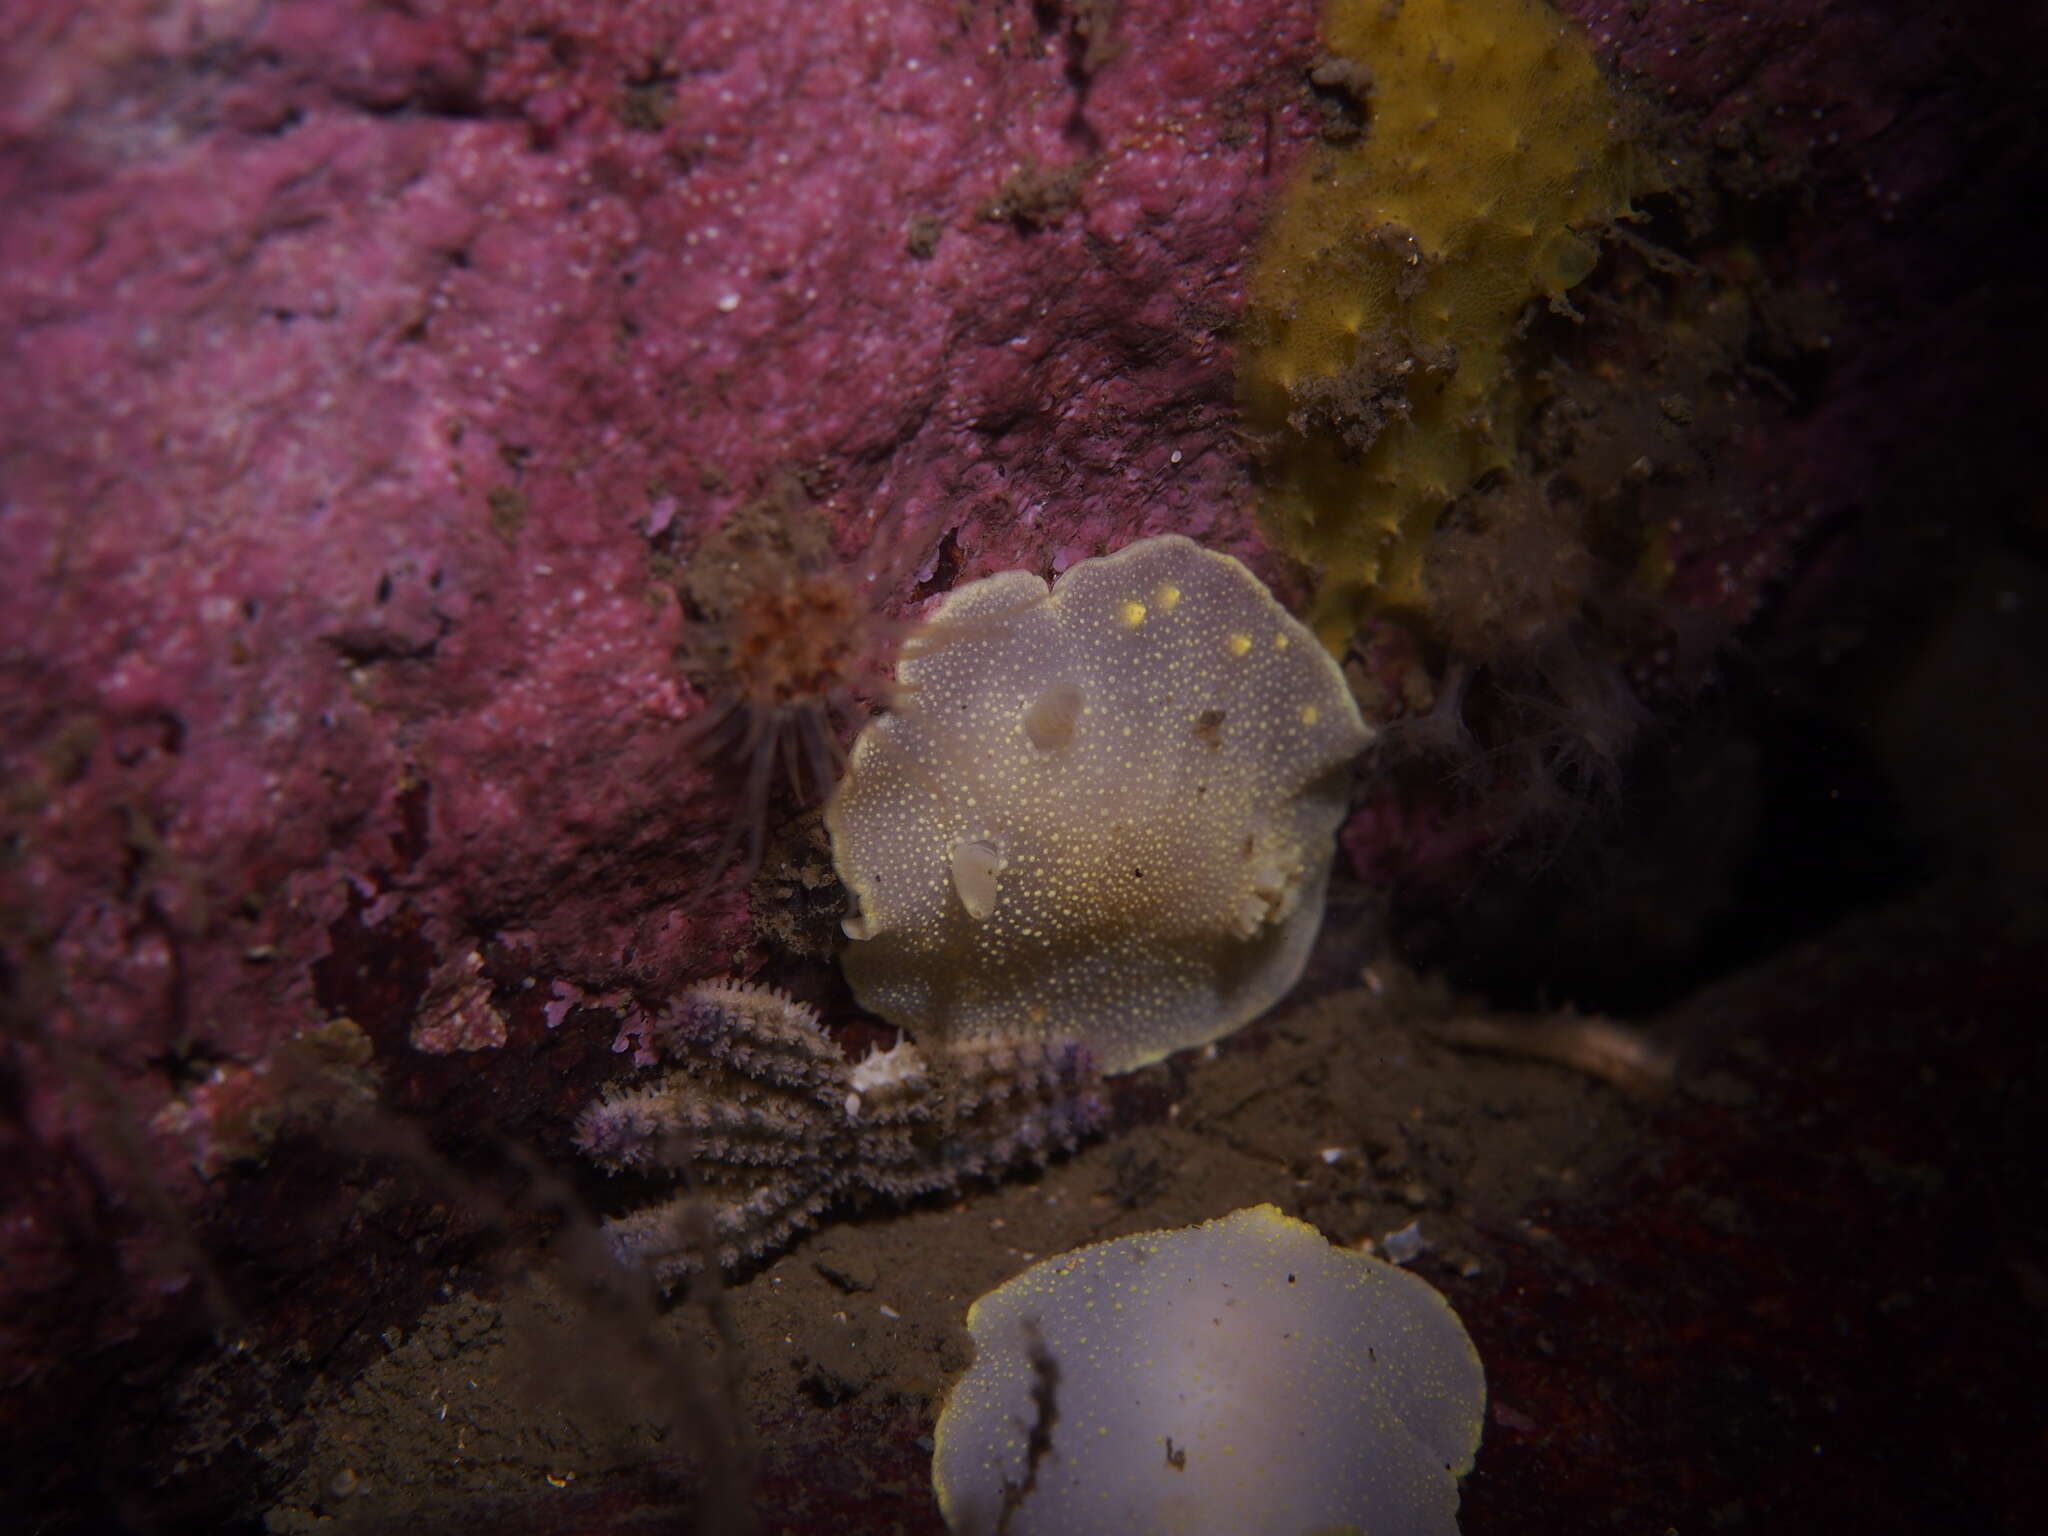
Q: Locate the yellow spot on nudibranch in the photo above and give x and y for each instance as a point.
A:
(1310, 714)
(1133, 614)
(1169, 598)
(1279, 642)
(1239, 644)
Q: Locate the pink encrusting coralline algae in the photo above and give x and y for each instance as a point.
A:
(368, 375)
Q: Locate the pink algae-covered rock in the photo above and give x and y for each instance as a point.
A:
(363, 366)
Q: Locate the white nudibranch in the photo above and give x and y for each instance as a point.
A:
(1238, 1378)
(1098, 811)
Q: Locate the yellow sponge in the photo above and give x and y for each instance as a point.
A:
(1386, 301)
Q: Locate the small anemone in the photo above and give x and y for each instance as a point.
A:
(792, 649)
(1533, 714)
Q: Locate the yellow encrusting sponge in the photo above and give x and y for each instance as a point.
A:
(1386, 300)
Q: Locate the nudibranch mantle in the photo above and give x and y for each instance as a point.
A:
(1102, 810)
